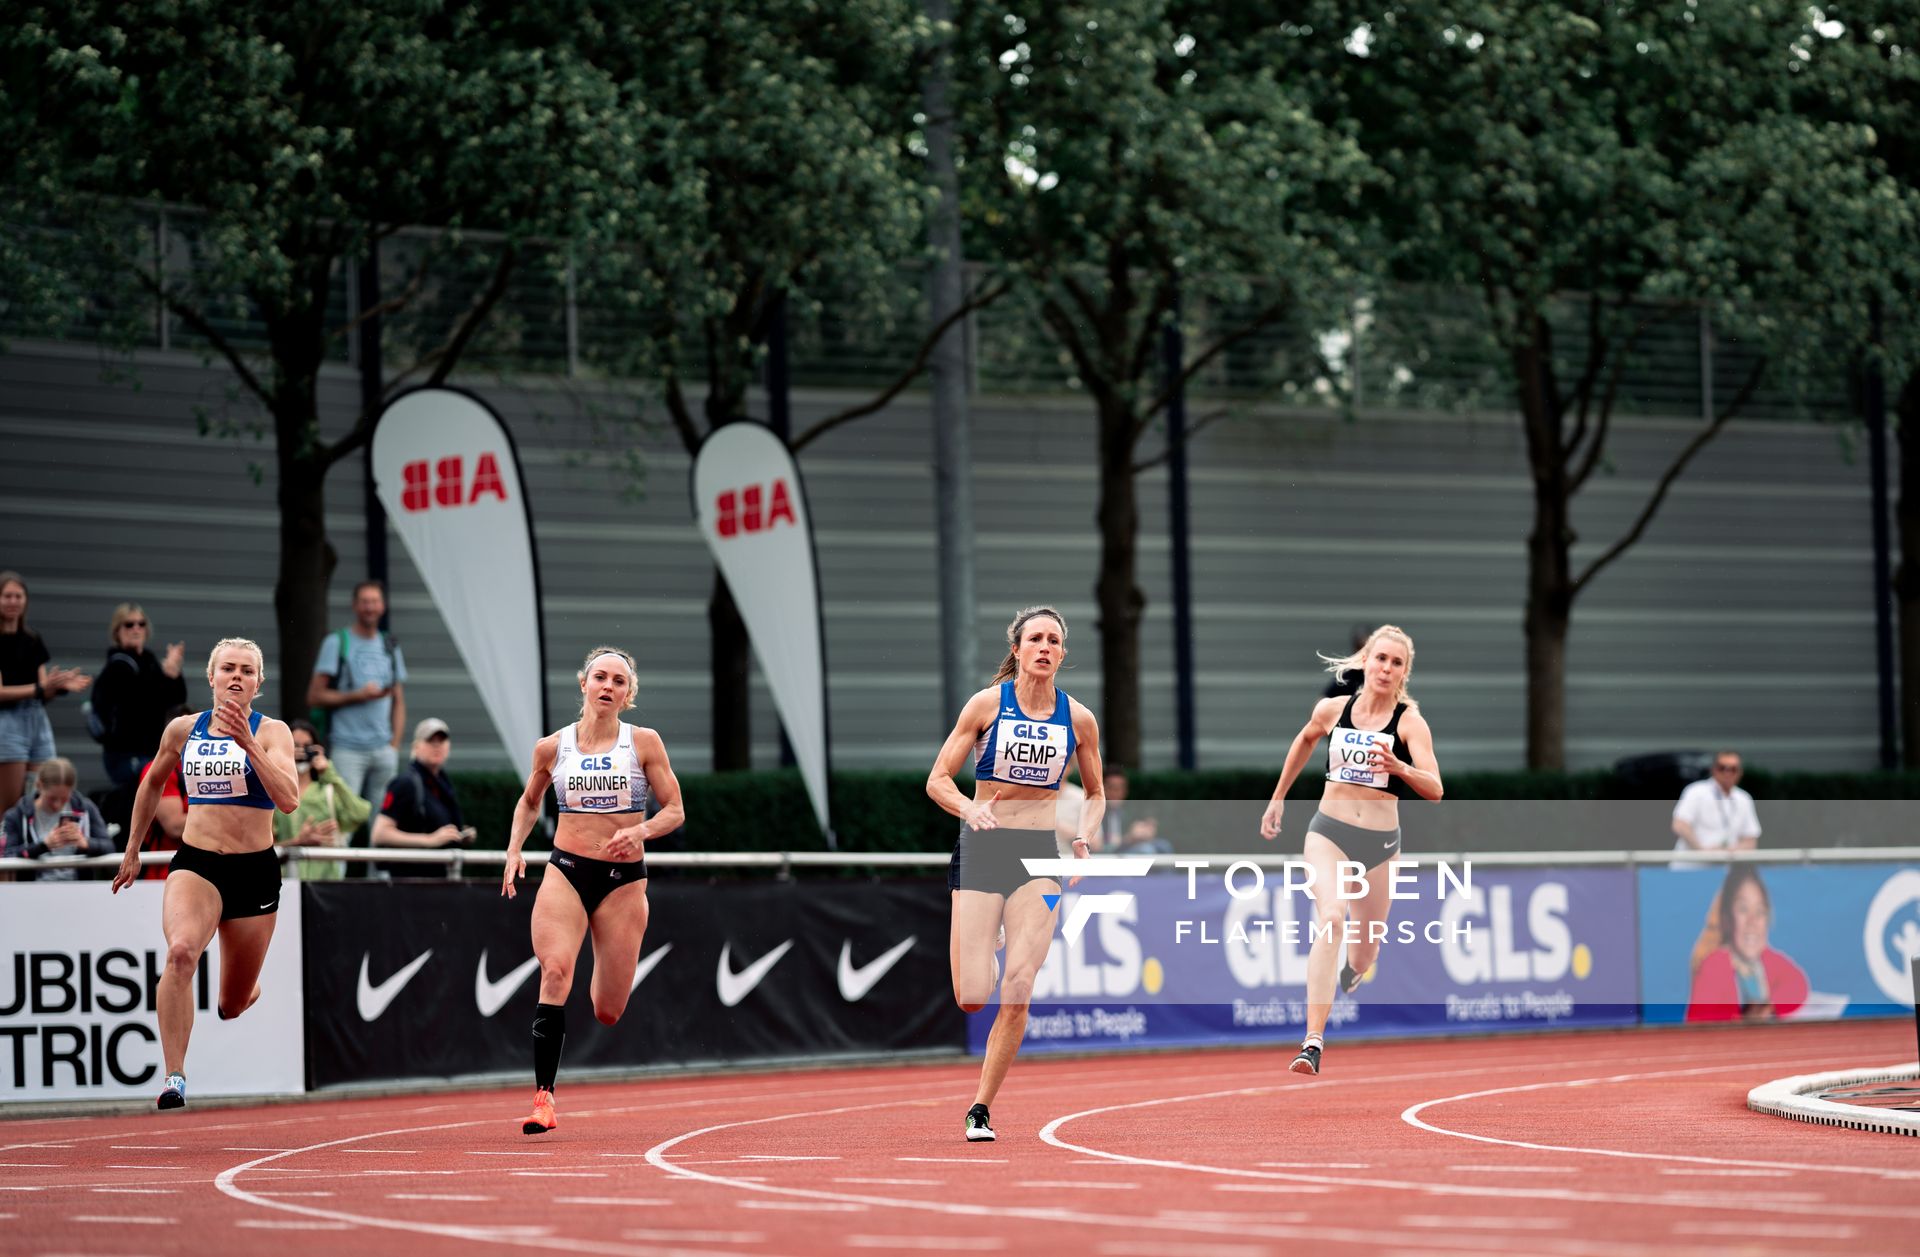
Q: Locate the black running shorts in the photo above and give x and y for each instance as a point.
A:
(248, 882)
(990, 859)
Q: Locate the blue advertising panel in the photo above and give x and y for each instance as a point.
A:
(1791, 941)
(1187, 962)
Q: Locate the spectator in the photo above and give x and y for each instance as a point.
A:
(1741, 978)
(1715, 814)
(57, 821)
(132, 693)
(28, 680)
(1123, 832)
(1348, 682)
(358, 682)
(420, 808)
(328, 813)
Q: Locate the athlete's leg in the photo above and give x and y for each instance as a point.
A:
(189, 915)
(1328, 922)
(970, 946)
(1370, 914)
(559, 926)
(1029, 933)
(619, 926)
(243, 950)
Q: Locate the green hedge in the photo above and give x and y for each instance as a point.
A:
(890, 811)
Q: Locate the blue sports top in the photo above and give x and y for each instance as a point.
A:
(1022, 750)
(216, 771)
(609, 782)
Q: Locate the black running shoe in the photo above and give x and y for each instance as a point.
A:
(1308, 1062)
(1349, 978)
(978, 1132)
(175, 1094)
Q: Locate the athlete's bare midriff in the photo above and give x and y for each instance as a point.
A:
(1360, 806)
(228, 830)
(587, 833)
(1019, 807)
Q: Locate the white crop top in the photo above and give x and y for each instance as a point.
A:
(608, 782)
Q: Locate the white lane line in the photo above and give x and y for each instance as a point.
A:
(958, 1160)
(384, 1152)
(816, 1206)
(1510, 1169)
(1234, 1218)
(146, 1167)
(1509, 1223)
(928, 1243)
(286, 1195)
(8, 1187)
(694, 1237)
(122, 1219)
(1312, 1165)
(433, 1196)
(1768, 1230)
(134, 1191)
(894, 1182)
(769, 1156)
(32, 1165)
(1306, 1189)
(145, 1147)
(1709, 1172)
(256, 1150)
(611, 1200)
(557, 1173)
(522, 1152)
(1162, 1248)
(1411, 1116)
(292, 1224)
(1080, 1186)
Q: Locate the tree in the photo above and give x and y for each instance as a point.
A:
(791, 125)
(292, 138)
(1125, 158)
(1593, 170)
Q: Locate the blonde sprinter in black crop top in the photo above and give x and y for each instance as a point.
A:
(602, 771)
(1380, 751)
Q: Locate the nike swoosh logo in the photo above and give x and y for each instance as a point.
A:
(734, 987)
(855, 983)
(492, 996)
(646, 966)
(373, 1000)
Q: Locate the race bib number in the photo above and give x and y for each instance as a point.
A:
(1030, 752)
(214, 768)
(1349, 755)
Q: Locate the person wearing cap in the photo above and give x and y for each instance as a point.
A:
(420, 808)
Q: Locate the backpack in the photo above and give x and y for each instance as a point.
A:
(320, 716)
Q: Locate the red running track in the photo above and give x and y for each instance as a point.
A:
(1630, 1142)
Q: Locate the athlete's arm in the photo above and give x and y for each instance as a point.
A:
(1318, 725)
(165, 760)
(1423, 774)
(271, 751)
(1086, 755)
(626, 843)
(974, 717)
(527, 810)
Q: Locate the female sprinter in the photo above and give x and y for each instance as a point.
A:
(237, 766)
(601, 769)
(1380, 752)
(1022, 733)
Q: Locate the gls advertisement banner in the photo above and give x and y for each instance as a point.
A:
(439, 980)
(1518, 948)
(1812, 941)
(77, 989)
(446, 472)
(749, 503)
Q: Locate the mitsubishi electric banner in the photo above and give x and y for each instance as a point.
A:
(748, 500)
(445, 469)
(409, 980)
(78, 975)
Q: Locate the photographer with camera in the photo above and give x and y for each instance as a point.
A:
(329, 810)
(57, 820)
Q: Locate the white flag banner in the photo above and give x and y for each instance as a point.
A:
(445, 469)
(748, 501)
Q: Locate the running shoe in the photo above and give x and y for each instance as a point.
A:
(542, 1119)
(1350, 978)
(978, 1132)
(1308, 1062)
(174, 1095)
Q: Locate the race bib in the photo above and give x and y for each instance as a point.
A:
(1348, 756)
(214, 768)
(1030, 752)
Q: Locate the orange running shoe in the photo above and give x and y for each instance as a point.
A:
(542, 1119)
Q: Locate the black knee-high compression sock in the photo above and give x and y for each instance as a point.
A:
(549, 1036)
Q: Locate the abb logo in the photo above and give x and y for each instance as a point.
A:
(447, 484)
(752, 509)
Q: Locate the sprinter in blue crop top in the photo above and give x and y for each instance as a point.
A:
(237, 766)
(1019, 736)
(1379, 751)
(603, 772)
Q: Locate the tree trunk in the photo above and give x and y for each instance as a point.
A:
(732, 724)
(1117, 592)
(1906, 578)
(1549, 558)
(307, 561)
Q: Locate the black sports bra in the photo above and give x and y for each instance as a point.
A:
(1346, 756)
